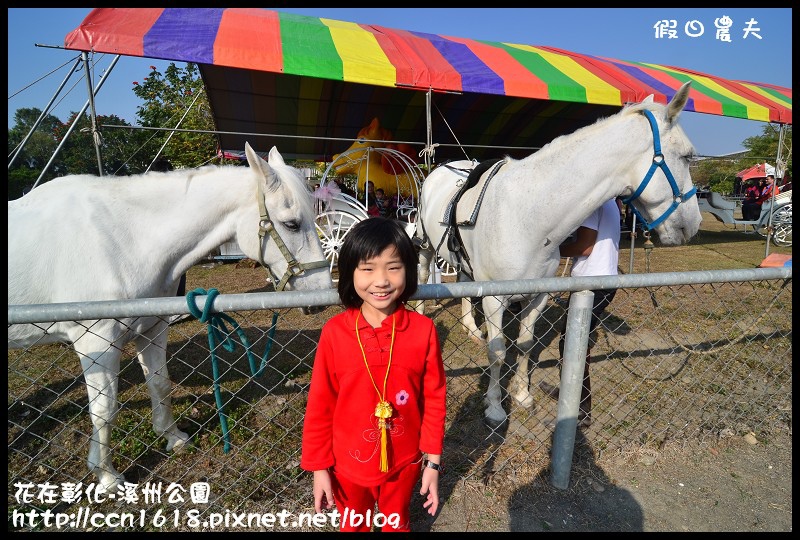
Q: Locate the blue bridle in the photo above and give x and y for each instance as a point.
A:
(658, 162)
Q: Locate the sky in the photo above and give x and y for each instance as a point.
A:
(35, 72)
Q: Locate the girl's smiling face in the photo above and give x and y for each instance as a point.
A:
(379, 282)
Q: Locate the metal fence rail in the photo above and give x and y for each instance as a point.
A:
(690, 357)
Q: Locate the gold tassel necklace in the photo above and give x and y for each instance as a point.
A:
(383, 410)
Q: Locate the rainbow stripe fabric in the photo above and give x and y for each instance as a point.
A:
(312, 81)
(264, 40)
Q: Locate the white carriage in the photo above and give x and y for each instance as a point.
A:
(778, 215)
(386, 168)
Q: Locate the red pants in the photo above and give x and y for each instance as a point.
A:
(357, 503)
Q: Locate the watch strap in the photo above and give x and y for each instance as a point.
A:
(435, 466)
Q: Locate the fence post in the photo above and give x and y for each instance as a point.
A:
(576, 342)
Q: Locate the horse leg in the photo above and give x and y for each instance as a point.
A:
(468, 315)
(100, 363)
(468, 320)
(425, 258)
(519, 388)
(493, 309)
(151, 347)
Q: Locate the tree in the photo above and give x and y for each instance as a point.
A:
(166, 99)
(123, 151)
(76, 156)
(765, 147)
(719, 174)
(42, 142)
(79, 154)
(715, 174)
(37, 151)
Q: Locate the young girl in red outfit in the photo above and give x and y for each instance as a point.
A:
(377, 399)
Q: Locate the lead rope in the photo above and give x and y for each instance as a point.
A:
(218, 332)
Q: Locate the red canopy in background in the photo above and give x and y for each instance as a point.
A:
(759, 170)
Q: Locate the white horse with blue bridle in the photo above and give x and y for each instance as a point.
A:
(530, 206)
(86, 238)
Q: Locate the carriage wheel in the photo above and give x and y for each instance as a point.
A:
(782, 226)
(332, 226)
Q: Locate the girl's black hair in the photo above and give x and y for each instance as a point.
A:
(367, 239)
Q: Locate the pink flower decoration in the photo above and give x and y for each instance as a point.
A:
(401, 398)
(327, 192)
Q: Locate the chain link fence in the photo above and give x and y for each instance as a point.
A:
(688, 358)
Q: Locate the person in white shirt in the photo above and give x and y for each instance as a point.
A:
(595, 252)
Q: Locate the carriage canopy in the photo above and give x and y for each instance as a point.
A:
(759, 170)
(313, 80)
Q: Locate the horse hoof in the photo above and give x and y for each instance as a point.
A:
(518, 388)
(527, 402)
(177, 442)
(110, 481)
(494, 424)
(495, 415)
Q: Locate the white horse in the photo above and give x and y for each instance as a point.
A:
(85, 238)
(530, 206)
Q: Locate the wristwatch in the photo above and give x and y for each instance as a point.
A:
(435, 466)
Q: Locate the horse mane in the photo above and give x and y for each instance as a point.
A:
(290, 177)
(634, 108)
(587, 131)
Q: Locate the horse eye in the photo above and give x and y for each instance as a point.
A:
(292, 225)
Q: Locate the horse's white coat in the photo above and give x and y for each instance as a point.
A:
(534, 204)
(86, 238)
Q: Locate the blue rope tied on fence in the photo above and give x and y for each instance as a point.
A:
(218, 332)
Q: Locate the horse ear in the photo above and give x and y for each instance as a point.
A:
(263, 168)
(678, 102)
(250, 153)
(275, 157)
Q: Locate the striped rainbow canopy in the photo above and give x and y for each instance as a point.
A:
(306, 82)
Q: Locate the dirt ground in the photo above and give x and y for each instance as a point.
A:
(740, 484)
(732, 483)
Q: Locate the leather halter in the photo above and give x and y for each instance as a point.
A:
(293, 267)
(658, 162)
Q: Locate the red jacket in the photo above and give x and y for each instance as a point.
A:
(766, 193)
(340, 428)
(751, 193)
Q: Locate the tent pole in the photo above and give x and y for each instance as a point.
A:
(778, 167)
(633, 243)
(429, 135)
(44, 113)
(172, 132)
(75, 123)
(92, 112)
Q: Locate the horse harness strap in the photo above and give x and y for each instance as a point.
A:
(454, 241)
(658, 163)
(293, 268)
